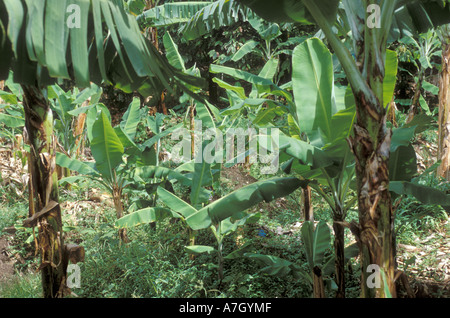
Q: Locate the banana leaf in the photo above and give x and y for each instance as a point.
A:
(242, 199)
(106, 147)
(316, 242)
(144, 216)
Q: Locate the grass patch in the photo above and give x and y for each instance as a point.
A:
(22, 286)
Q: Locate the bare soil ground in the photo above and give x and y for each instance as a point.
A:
(6, 262)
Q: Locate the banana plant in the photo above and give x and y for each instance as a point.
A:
(193, 174)
(220, 231)
(404, 178)
(311, 59)
(268, 47)
(222, 217)
(12, 117)
(82, 40)
(265, 102)
(196, 212)
(108, 151)
(71, 106)
(316, 243)
(324, 113)
(70, 124)
(419, 51)
(152, 181)
(365, 71)
(314, 108)
(337, 110)
(201, 174)
(115, 153)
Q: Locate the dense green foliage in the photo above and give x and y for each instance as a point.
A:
(233, 227)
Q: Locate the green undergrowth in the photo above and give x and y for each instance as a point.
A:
(155, 263)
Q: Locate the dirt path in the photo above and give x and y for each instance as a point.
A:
(6, 263)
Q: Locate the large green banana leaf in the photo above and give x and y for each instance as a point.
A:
(218, 14)
(418, 16)
(424, 194)
(277, 266)
(85, 40)
(172, 53)
(144, 216)
(410, 16)
(217, 211)
(84, 168)
(201, 177)
(314, 93)
(106, 147)
(316, 242)
(431, 13)
(11, 120)
(306, 153)
(242, 199)
(196, 18)
(145, 173)
(131, 118)
(313, 81)
(317, 108)
(261, 83)
(175, 203)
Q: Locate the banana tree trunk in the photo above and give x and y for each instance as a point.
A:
(318, 285)
(192, 126)
(78, 133)
(307, 208)
(415, 104)
(339, 245)
(444, 111)
(118, 205)
(371, 148)
(44, 209)
(371, 144)
(220, 263)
